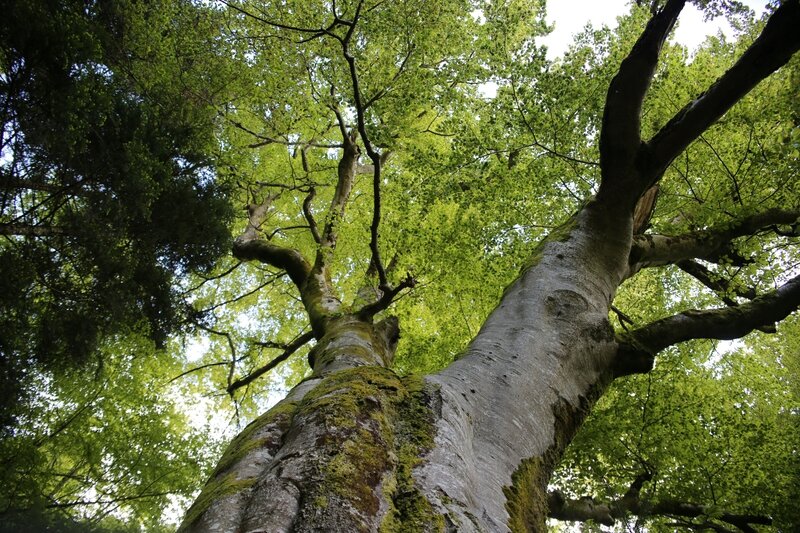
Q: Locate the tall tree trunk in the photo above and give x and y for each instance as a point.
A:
(356, 448)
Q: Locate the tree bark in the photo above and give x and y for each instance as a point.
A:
(471, 448)
(356, 448)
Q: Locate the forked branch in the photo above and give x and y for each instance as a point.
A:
(638, 348)
(779, 40)
(658, 250)
(631, 504)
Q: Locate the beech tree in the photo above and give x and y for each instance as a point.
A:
(473, 446)
(494, 310)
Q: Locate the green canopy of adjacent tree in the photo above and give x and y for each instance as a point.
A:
(107, 181)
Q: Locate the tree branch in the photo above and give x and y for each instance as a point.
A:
(620, 135)
(361, 109)
(607, 513)
(249, 247)
(278, 25)
(312, 224)
(290, 348)
(344, 186)
(288, 259)
(658, 250)
(721, 286)
(28, 230)
(387, 297)
(772, 49)
(637, 349)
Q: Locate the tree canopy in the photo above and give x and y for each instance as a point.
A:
(354, 145)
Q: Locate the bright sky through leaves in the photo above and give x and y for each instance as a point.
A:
(570, 16)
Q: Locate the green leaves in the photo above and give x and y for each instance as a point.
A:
(106, 178)
(113, 441)
(136, 135)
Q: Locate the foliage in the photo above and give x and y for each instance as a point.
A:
(107, 180)
(137, 129)
(113, 445)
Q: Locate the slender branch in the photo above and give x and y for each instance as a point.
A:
(265, 140)
(198, 368)
(772, 49)
(219, 333)
(607, 513)
(380, 94)
(275, 24)
(9, 183)
(242, 296)
(387, 297)
(637, 349)
(290, 348)
(658, 250)
(536, 143)
(721, 286)
(64, 505)
(312, 224)
(206, 279)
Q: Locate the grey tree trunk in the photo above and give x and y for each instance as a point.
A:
(356, 448)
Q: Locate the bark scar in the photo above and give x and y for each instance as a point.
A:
(566, 303)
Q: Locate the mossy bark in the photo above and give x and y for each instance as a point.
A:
(337, 456)
(358, 448)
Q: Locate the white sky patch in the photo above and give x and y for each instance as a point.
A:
(570, 17)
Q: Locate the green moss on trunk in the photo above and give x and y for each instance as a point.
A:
(214, 491)
(251, 438)
(411, 511)
(526, 498)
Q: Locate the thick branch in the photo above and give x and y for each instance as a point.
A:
(249, 247)
(606, 513)
(291, 348)
(620, 137)
(287, 259)
(638, 348)
(659, 250)
(312, 223)
(344, 186)
(777, 43)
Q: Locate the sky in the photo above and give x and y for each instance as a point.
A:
(570, 16)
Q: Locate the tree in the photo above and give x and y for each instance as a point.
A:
(107, 197)
(473, 446)
(99, 144)
(385, 194)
